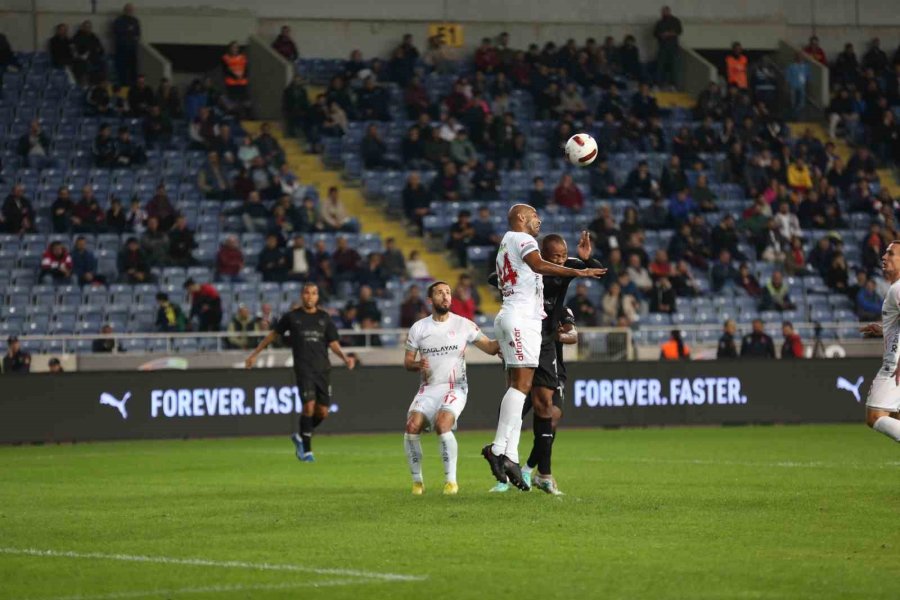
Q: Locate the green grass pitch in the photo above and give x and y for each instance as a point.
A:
(744, 512)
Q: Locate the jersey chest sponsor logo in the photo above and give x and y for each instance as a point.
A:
(441, 349)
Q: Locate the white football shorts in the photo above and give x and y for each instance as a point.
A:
(884, 393)
(520, 340)
(432, 399)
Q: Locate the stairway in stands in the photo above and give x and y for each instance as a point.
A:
(311, 171)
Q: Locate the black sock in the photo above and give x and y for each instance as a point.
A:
(543, 440)
(316, 420)
(533, 457)
(306, 428)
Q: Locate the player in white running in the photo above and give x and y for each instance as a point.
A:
(883, 401)
(440, 341)
(518, 330)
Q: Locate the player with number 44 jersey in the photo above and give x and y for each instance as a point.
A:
(518, 330)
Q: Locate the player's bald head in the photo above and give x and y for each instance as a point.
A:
(518, 212)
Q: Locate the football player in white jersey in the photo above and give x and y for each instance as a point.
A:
(440, 341)
(883, 401)
(518, 330)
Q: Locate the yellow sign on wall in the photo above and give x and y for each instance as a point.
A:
(452, 33)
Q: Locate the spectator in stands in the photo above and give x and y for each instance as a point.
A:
(656, 216)
(155, 244)
(412, 150)
(87, 216)
(8, 60)
(104, 148)
(308, 219)
(727, 348)
(704, 198)
(296, 108)
(240, 328)
(263, 179)
(461, 236)
(640, 184)
(269, 148)
(234, 71)
(374, 151)
(820, 256)
(346, 261)
(681, 207)
(15, 360)
(795, 260)
(161, 208)
(486, 181)
(211, 180)
(868, 302)
(416, 268)
(334, 215)
(100, 98)
(446, 186)
(169, 316)
(485, 232)
(56, 264)
(181, 244)
(132, 263)
(126, 35)
(34, 147)
(462, 150)
(254, 214)
(366, 305)
(845, 71)
(373, 274)
(128, 153)
(617, 306)
(568, 195)
(104, 345)
(582, 308)
(875, 58)
(770, 245)
(301, 261)
(639, 275)
(136, 217)
(799, 176)
(797, 76)
(60, 48)
(736, 67)
(372, 102)
(859, 284)
(273, 260)
(787, 222)
(538, 196)
(487, 59)
(392, 260)
(88, 53)
(667, 31)
(84, 264)
(168, 100)
(603, 180)
(723, 273)
(462, 301)
(836, 277)
(140, 98)
(757, 343)
(416, 200)
(229, 260)
(285, 46)
(17, 215)
(157, 127)
(61, 211)
(413, 307)
(206, 305)
(792, 346)
(776, 294)
(815, 51)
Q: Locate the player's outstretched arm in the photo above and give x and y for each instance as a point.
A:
(411, 364)
(567, 334)
(272, 335)
(542, 267)
(487, 345)
(350, 361)
(871, 330)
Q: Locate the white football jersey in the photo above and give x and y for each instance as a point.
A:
(522, 289)
(890, 326)
(444, 344)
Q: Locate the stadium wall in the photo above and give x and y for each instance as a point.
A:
(189, 404)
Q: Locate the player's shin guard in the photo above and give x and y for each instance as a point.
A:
(449, 453)
(510, 419)
(543, 443)
(306, 429)
(413, 447)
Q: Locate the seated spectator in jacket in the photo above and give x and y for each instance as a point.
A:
(296, 107)
(229, 260)
(84, 264)
(128, 153)
(617, 307)
(640, 183)
(56, 264)
(681, 207)
(793, 346)
(799, 176)
(662, 297)
(412, 150)
(104, 148)
(206, 305)
(372, 101)
(181, 244)
(373, 274)
(61, 211)
(104, 345)
(155, 244)
(307, 217)
(87, 216)
(446, 186)
(374, 151)
(868, 302)
(819, 258)
(273, 260)
(538, 197)
(583, 310)
(836, 277)
(132, 263)
(161, 207)
(169, 316)
(486, 182)
(776, 294)
(263, 178)
(639, 275)
(285, 46)
(301, 261)
(240, 329)
(461, 236)
(392, 260)
(568, 195)
(269, 149)
(34, 147)
(723, 272)
(140, 98)
(603, 180)
(416, 200)
(485, 232)
(413, 307)
(462, 301)
(416, 268)
(346, 261)
(157, 127)
(334, 215)
(661, 266)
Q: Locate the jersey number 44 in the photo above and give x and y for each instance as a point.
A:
(507, 274)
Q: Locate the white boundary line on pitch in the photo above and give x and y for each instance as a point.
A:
(742, 463)
(214, 589)
(203, 562)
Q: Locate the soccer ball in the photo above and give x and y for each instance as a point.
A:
(581, 150)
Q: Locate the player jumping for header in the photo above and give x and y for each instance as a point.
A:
(440, 340)
(518, 329)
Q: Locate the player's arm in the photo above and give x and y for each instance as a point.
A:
(411, 364)
(487, 345)
(567, 336)
(542, 267)
(271, 337)
(335, 347)
(871, 330)
(493, 280)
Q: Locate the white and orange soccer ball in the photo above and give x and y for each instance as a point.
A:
(581, 150)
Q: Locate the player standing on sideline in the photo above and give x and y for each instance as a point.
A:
(310, 333)
(518, 329)
(547, 391)
(883, 402)
(440, 340)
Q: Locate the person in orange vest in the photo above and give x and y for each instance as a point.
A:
(674, 348)
(736, 66)
(234, 66)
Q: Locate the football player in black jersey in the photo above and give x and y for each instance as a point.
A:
(310, 333)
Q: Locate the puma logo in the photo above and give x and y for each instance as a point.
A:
(844, 384)
(110, 400)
